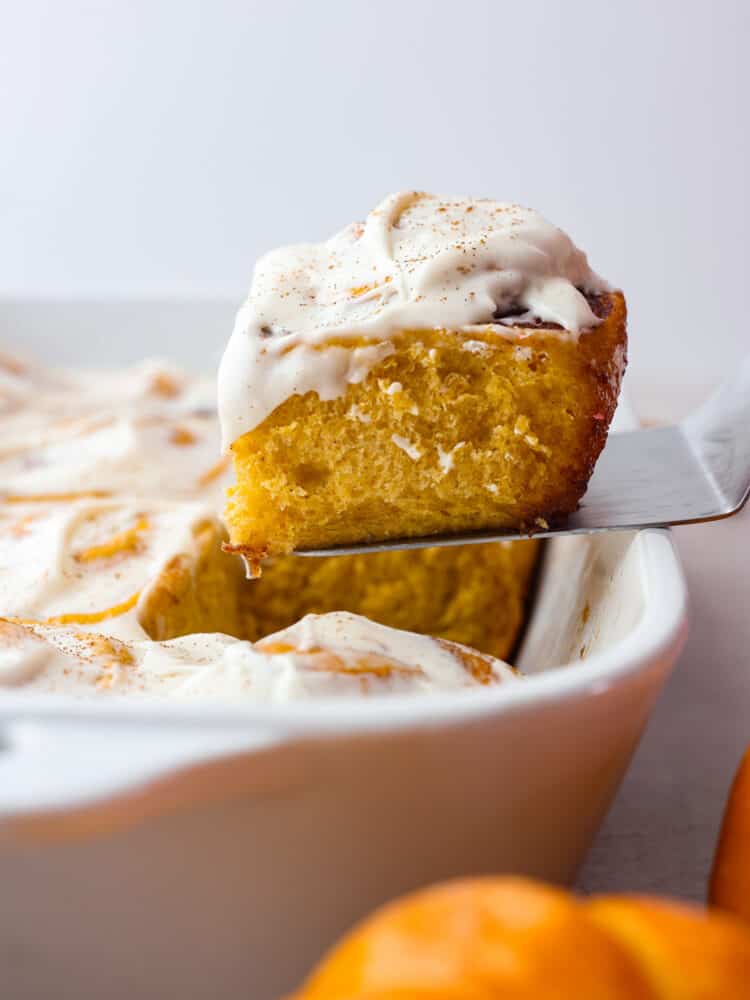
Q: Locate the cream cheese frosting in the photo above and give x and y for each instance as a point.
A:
(322, 655)
(92, 562)
(150, 430)
(320, 316)
(106, 481)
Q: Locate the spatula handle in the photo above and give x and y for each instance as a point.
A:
(720, 434)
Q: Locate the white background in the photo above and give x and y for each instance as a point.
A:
(155, 148)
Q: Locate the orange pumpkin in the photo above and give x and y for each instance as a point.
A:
(730, 879)
(492, 938)
(508, 937)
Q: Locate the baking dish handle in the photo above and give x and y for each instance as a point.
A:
(57, 766)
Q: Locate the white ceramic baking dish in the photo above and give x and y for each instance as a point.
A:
(160, 851)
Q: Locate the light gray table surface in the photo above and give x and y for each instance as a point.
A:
(660, 833)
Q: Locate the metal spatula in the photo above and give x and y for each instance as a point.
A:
(697, 470)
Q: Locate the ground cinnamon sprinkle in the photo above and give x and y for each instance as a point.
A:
(182, 436)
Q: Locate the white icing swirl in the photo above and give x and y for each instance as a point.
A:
(150, 431)
(81, 559)
(333, 654)
(418, 262)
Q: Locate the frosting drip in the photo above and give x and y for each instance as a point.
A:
(319, 316)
